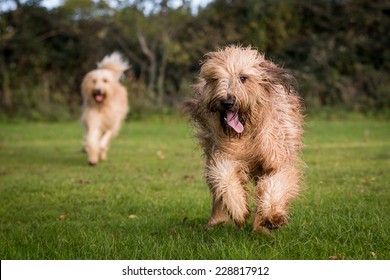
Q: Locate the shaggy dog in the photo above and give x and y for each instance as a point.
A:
(105, 106)
(248, 122)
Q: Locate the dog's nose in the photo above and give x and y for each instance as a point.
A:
(227, 103)
(97, 91)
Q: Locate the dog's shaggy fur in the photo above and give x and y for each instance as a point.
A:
(105, 105)
(248, 121)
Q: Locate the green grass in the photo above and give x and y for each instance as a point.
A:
(150, 201)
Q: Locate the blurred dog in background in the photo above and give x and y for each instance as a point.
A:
(247, 118)
(105, 106)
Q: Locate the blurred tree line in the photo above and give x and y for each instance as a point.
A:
(339, 50)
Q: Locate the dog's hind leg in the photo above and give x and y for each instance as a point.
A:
(218, 213)
(227, 180)
(274, 193)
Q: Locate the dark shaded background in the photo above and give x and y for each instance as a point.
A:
(338, 50)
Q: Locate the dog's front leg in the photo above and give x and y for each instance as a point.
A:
(274, 193)
(105, 144)
(227, 180)
(92, 146)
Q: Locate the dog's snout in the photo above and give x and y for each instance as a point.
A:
(227, 103)
(97, 91)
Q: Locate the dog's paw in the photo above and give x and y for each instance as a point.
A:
(265, 224)
(275, 221)
(262, 230)
(214, 222)
(103, 157)
(93, 159)
(209, 226)
(274, 224)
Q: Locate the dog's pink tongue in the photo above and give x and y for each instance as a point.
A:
(99, 98)
(232, 121)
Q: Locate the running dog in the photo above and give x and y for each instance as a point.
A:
(105, 106)
(248, 121)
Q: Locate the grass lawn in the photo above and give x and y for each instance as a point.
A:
(150, 201)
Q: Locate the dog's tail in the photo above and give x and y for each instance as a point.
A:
(114, 62)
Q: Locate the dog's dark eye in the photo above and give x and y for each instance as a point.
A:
(210, 81)
(243, 79)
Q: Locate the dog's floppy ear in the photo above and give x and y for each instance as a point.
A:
(191, 106)
(274, 75)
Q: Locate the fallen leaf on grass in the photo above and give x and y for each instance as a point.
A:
(62, 217)
(187, 177)
(160, 155)
(84, 182)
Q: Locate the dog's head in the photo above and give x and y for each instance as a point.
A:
(234, 83)
(97, 86)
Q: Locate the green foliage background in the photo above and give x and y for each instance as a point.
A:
(338, 50)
